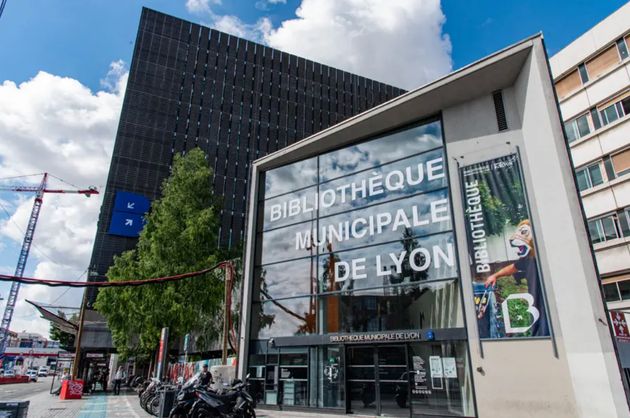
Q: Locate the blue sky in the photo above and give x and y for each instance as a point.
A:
(57, 114)
(79, 38)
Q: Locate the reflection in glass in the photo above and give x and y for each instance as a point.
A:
(426, 305)
(409, 260)
(285, 244)
(289, 208)
(450, 393)
(413, 175)
(381, 150)
(285, 280)
(420, 215)
(290, 177)
(283, 318)
(330, 368)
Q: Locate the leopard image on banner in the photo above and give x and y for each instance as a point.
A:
(507, 287)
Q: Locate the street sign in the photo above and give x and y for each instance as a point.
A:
(126, 224)
(131, 202)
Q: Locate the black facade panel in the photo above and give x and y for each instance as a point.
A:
(193, 86)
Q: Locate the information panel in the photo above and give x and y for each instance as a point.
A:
(506, 276)
(128, 215)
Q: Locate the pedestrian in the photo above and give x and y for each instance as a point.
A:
(104, 377)
(118, 378)
(205, 377)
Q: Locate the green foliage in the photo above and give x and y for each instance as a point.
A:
(519, 317)
(504, 206)
(179, 236)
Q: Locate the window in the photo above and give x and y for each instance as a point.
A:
(624, 289)
(582, 125)
(597, 122)
(604, 229)
(602, 63)
(589, 177)
(615, 109)
(611, 293)
(622, 48)
(621, 162)
(568, 84)
(583, 73)
(611, 113)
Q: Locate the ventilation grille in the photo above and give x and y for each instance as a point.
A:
(499, 109)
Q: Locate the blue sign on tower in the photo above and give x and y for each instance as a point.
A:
(128, 215)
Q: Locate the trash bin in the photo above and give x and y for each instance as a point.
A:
(14, 409)
(167, 401)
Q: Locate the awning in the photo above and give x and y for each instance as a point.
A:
(61, 323)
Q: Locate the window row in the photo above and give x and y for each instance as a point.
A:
(610, 227)
(420, 306)
(592, 175)
(617, 291)
(407, 259)
(597, 117)
(352, 159)
(593, 68)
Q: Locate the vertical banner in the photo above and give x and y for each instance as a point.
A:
(507, 286)
(162, 354)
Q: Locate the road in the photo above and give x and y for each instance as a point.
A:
(23, 391)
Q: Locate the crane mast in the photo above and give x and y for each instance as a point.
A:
(26, 247)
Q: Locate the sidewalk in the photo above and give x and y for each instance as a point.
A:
(125, 405)
(266, 413)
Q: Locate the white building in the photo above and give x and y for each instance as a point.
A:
(592, 78)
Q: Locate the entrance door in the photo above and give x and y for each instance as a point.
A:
(378, 380)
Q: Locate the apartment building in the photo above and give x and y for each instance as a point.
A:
(592, 79)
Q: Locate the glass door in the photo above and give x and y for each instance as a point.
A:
(361, 374)
(393, 381)
(440, 379)
(378, 381)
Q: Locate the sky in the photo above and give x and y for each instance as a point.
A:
(63, 72)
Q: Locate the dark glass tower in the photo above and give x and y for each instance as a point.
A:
(191, 86)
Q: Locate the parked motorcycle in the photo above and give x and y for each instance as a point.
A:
(186, 397)
(234, 402)
(149, 394)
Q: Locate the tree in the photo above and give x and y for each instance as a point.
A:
(180, 236)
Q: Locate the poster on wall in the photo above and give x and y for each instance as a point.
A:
(507, 287)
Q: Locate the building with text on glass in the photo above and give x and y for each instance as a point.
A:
(192, 86)
(592, 78)
(429, 257)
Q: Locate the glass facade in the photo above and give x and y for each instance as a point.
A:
(358, 243)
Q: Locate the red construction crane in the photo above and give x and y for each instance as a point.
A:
(26, 245)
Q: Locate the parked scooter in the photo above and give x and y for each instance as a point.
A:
(234, 402)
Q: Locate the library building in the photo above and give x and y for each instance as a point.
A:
(427, 258)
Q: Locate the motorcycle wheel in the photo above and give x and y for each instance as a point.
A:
(154, 406)
(177, 414)
(203, 412)
(249, 413)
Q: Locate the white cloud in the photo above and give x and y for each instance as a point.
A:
(200, 6)
(264, 4)
(57, 125)
(399, 42)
